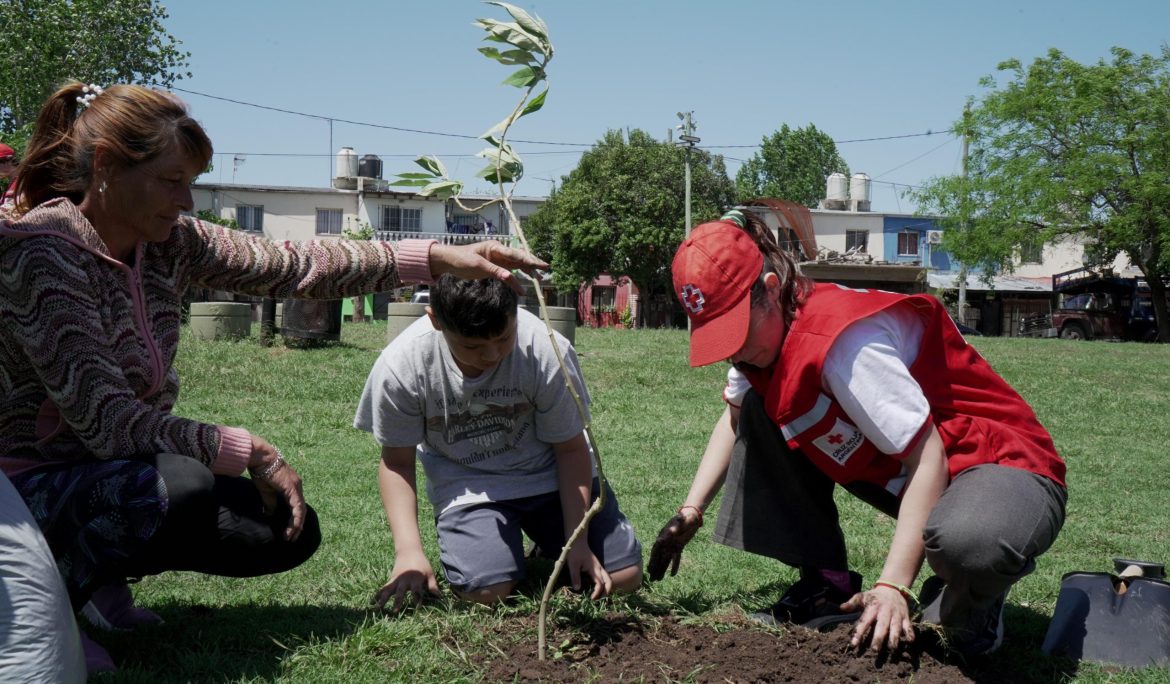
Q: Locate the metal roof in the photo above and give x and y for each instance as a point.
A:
(999, 283)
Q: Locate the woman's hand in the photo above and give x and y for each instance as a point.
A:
(667, 549)
(275, 479)
(412, 574)
(486, 259)
(884, 610)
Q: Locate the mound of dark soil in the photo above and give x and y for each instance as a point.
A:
(625, 648)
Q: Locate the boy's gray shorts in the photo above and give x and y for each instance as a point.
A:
(483, 544)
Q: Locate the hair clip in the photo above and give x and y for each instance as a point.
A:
(89, 94)
(735, 216)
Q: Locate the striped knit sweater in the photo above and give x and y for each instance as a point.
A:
(87, 343)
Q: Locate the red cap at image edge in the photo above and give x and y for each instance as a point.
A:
(714, 270)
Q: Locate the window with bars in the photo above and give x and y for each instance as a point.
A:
(401, 219)
(466, 219)
(603, 297)
(908, 243)
(250, 217)
(858, 239)
(329, 222)
(1032, 252)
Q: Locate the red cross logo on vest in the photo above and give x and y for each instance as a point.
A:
(693, 298)
(836, 439)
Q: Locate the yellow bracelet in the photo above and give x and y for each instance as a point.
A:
(902, 589)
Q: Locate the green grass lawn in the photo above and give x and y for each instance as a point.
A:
(1105, 404)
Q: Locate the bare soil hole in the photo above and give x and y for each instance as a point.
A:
(621, 647)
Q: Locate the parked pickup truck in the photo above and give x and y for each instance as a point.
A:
(1091, 305)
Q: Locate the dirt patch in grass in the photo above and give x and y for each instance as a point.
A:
(619, 647)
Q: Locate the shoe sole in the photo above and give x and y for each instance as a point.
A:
(94, 616)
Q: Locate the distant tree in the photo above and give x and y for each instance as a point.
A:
(46, 42)
(621, 211)
(791, 164)
(1061, 150)
(210, 216)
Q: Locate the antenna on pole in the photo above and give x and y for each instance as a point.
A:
(237, 161)
(552, 182)
(688, 140)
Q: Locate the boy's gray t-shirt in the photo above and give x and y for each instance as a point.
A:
(479, 439)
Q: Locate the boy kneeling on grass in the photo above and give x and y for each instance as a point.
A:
(476, 391)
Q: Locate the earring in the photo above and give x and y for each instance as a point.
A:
(102, 187)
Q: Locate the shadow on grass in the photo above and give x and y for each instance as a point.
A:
(198, 643)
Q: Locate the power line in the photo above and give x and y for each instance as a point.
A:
(907, 163)
(843, 142)
(366, 123)
(401, 129)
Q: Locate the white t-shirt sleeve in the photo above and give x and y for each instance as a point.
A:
(391, 405)
(868, 371)
(736, 388)
(557, 417)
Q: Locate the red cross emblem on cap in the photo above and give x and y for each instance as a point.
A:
(836, 438)
(693, 298)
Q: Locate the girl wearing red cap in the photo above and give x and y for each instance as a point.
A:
(877, 392)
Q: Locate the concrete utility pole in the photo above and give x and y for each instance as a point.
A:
(962, 315)
(687, 140)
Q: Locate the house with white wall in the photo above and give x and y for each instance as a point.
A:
(306, 213)
(856, 247)
(358, 197)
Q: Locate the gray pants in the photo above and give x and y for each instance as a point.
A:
(983, 535)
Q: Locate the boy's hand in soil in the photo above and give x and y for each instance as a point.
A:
(885, 611)
(582, 561)
(412, 574)
(667, 549)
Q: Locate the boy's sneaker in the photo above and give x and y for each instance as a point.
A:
(112, 608)
(97, 659)
(812, 602)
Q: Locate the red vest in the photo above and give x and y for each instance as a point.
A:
(980, 418)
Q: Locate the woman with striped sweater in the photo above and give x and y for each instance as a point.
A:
(94, 261)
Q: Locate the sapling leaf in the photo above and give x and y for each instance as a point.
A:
(502, 154)
(502, 173)
(491, 132)
(442, 189)
(433, 165)
(509, 57)
(524, 77)
(512, 34)
(534, 104)
(492, 140)
(518, 56)
(411, 182)
(415, 174)
(530, 23)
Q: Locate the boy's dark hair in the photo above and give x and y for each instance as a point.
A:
(473, 308)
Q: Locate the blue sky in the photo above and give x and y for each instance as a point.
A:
(856, 70)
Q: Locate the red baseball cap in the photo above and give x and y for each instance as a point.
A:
(714, 270)
(6, 151)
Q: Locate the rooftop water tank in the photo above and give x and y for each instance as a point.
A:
(859, 187)
(370, 166)
(347, 163)
(836, 191)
